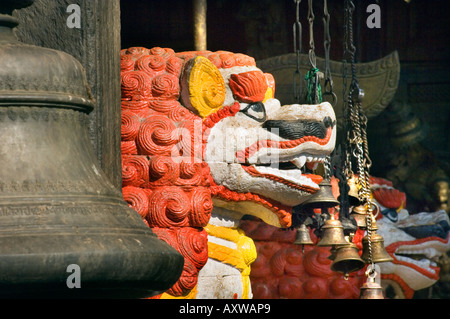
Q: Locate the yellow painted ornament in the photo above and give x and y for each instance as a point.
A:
(202, 87)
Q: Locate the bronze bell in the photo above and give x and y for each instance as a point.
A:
(379, 253)
(323, 198)
(353, 193)
(303, 237)
(332, 233)
(359, 214)
(346, 259)
(371, 289)
(59, 213)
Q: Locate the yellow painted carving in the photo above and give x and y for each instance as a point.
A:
(241, 258)
(191, 295)
(206, 87)
(268, 95)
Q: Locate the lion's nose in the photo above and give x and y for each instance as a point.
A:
(296, 129)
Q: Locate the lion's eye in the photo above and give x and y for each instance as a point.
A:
(391, 214)
(256, 111)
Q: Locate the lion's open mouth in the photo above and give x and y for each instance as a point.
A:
(286, 162)
(290, 173)
(421, 254)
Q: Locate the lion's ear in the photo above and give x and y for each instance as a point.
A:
(202, 87)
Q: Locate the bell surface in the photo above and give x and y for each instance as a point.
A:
(347, 259)
(379, 253)
(58, 211)
(371, 290)
(353, 193)
(359, 214)
(303, 237)
(373, 223)
(332, 234)
(323, 198)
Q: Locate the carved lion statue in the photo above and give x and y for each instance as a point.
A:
(205, 143)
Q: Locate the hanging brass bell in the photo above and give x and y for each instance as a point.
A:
(332, 233)
(359, 214)
(303, 237)
(347, 259)
(379, 253)
(323, 198)
(371, 289)
(353, 193)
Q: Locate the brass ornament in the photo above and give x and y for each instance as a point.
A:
(371, 289)
(353, 193)
(303, 237)
(346, 259)
(359, 214)
(332, 233)
(379, 78)
(379, 253)
(323, 198)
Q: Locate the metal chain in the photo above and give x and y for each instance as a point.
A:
(357, 125)
(328, 84)
(347, 148)
(314, 91)
(312, 54)
(297, 32)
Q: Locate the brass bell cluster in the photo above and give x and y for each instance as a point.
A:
(322, 199)
(373, 250)
(344, 253)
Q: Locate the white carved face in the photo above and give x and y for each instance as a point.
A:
(246, 154)
(415, 241)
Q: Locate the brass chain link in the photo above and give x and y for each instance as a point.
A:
(328, 84)
(297, 33)
(311, 54)
(357, 145)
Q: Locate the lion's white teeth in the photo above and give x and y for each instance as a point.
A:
(299, 161)
(294, 175)
(315, 166)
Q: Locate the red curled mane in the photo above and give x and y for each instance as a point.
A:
(164, 176)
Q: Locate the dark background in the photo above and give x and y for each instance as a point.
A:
(263, 28)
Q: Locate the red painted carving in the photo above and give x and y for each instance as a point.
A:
(249, 86)
(193, 244)
(388, 197)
